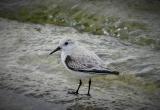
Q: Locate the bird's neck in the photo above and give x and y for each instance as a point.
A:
(69, 51)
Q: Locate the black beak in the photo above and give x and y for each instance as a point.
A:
(58, 48)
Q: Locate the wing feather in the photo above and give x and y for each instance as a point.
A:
(83, 64)
(83, 60)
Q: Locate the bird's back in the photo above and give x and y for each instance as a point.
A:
(83, 60)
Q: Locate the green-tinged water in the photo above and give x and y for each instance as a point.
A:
(129, 21)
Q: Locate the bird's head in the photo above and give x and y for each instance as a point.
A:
(65, 44)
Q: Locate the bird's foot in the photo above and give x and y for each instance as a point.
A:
(73, 92)
(88, 94)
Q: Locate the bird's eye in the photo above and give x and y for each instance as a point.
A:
(66, 43)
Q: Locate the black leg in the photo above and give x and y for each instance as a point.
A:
(89, 87)
(76, 92)
(80, 83)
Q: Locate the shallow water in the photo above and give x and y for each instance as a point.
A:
(131, 21)
(26, 68)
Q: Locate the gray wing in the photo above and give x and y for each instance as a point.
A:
(86, 64)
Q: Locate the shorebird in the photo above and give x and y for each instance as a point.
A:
(81, 61)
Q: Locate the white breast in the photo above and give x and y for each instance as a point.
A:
(63, 57)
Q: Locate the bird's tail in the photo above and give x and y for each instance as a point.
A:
(109, 71)
(114, 72)
(106, 72)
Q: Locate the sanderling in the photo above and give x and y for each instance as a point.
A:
(81, 61)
